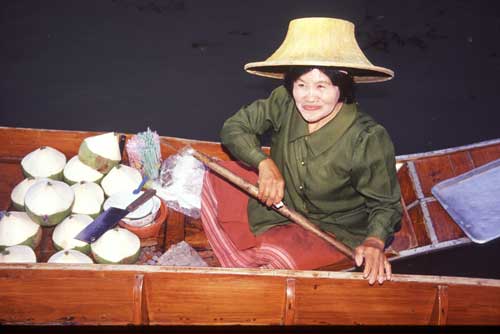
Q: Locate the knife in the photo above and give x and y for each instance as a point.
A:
(109, 218)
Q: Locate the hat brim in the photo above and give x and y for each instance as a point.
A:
(360, 73)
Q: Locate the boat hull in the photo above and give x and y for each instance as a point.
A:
(50, 294)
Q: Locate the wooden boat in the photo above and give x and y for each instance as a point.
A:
(47, 294)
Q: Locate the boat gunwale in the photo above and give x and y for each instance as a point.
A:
(258, 272)
(399, 158)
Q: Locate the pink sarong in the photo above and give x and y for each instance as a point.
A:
(225, 222)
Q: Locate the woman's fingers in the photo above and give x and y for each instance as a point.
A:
(381, 271)
(271, 183)
(388, 269)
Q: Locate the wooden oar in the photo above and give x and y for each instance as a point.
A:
(253, 191)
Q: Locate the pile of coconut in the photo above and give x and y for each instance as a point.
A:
(69, 195)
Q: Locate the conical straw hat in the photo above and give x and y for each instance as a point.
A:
(319, 41)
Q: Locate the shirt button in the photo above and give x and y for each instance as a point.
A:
(302, 163)
(301, 187)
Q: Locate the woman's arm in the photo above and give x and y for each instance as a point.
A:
(374, 176)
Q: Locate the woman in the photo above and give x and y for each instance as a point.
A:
(329, 161)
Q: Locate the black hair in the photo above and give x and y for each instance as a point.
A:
(340, 79)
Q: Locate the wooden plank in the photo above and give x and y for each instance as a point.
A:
(433, 170)
(417, 219)
(194, 234)
(407, 187)
(473, 305)
(483, 155)
(324, 302)
(139, 315)
(198, 299)
(46, 248)
(444, 226)
(175, 231)
(405, 238)
(10, 175)
(67, 297)
(289, 311)
(461, 162)
(440, 311)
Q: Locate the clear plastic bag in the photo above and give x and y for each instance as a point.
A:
(180, 182)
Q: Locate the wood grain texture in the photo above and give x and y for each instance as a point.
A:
(417, 219)
(405, 238)
(67, 297)
(406, 184)
(290, 304)
(483, 155)
(443, 224)
(177, 299)
(324, 302)
(439, 314)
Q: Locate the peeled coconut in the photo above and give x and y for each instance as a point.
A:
(76, 171)
(17, 254)
(44, 162)
(121, 178)
(70, 256)
(17, 228)
(101, 152)
(117, 245)
(89, 197)
(48, 202)
(19, 191)
(64, 234)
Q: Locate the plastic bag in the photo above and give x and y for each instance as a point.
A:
(180, 182)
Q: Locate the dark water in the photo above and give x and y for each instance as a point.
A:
(176, 66)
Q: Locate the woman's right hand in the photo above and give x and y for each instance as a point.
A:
(271, 183)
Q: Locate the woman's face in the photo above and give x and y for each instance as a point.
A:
(315, 97)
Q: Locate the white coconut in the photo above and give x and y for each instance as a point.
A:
(44, 162)
(17, 254)
(70, 256)
(48, 202)
(64, 234)
(121, 178)
(76, 171)
(101, 152)
(117, 245)
(19, 191)
(17, 228)
(89, 198)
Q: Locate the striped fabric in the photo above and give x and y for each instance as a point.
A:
(225, 223)
(263, 256)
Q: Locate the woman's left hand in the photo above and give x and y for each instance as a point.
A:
(377, 267)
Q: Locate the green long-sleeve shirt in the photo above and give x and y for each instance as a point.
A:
(342, 177)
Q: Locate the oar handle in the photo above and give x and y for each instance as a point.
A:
(293, 215)
(141, 200)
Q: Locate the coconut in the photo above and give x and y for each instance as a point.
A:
(101, 152)
(70, 256)
(117, 245)
(19, 191)
(48, 202)
(17, 254)
(44, 162)
(89, 197)
(64, 234)
(76, 171)
(16, 228)
(121, 178)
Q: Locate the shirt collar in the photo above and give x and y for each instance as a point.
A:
(322, 139)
